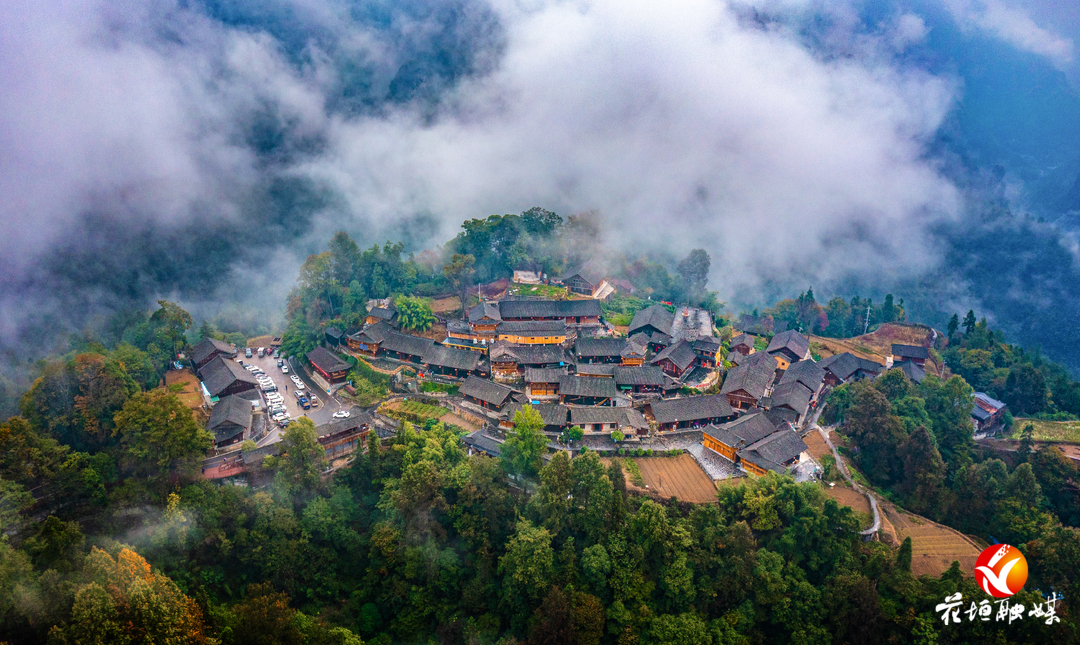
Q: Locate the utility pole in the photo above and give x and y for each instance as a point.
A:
(866, 321)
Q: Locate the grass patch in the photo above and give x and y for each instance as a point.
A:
(428, 386)
(1056, 431)
(414, 412)
(541, 290)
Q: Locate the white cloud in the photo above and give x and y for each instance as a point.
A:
(1014, 26)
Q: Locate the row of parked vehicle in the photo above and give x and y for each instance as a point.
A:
(275, 402)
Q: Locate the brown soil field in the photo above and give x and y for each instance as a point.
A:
(679, 477)
(437, 332)
(446, 305)
(850, 497)
(260, 341)
(933, 547)
(831, 346)
(818, 447)
(191, 396)
(876, 346)
(455, 420)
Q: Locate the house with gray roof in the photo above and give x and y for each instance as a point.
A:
(587, 390)
(652, 320)
(209, 348)
(485, 393)
(572, 312)
(676, 359)
(746, 384)
(690, 412)
(789, 347)
(808, 373)
(589, 279)
(230, 421)
(841, 368)
(743, 344)
(606, 420)
(554, 415)
(599, 350)
(641, 379)
(451, 361)
(915, 353)
(791, 395)
(224, 376)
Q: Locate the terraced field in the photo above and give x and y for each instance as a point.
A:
(933, 547)
(680, 477)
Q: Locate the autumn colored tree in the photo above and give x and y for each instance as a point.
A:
(265, 618)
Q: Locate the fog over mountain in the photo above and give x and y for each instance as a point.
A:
(200, 150)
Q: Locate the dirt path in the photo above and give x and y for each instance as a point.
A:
(844, 471)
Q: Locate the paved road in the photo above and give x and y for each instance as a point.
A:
(844, 471)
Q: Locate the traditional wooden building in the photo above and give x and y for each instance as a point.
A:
(690, 412)
(368, 340)
(777, 452)
(405, 347)
(791, 395)
(583, 390)
(987, 413)
(911, 370)
(485, 393)
(743, 343)
(341, 437)
(636, 350)
(789, 347)
(845, 367)
(510, 361)
(381, 314)
(572, 312)
(450, 361)
(588, 280)
(484, 320)
(643, 379)
(334, 337)
(224, 376)
(230, 421)
(808, 373)
(554, 415)
(709, 352)
(914, 353)
(208, 349)
(543, 382)
(599, 350)
(603, 420)
(652, 320)
(677, 359)
(328, 365)
(727, 439)
(746, 384)
(533, 332)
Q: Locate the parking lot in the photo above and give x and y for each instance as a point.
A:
(322, 408)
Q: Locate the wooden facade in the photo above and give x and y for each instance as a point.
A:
(741, 400)
(533, 338)
(712, 443)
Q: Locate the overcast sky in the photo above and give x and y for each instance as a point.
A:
(690, 123)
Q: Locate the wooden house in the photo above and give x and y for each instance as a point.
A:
(582, 390)
(554, 415)
(328, 365)
(369, 340)
(677, 359)
(208, 349)
(224, 376)
(845, 367)
(636, 350)
(914, 353)
(651, 321)
(487, 394)
(987, 413)
(727, 439)
(341, 437)
(643, 379)
(604, 421)
(690, 412)
(709, 352)
(791, 395)
(481, 442)
(777, 452)
(405, 347)
(543, 382)
(510, 361)
(743, 343)
(808, 373)
(599, 350)
(572, 312)
(451, 361)
(230, 421)
(596, 370)
(333, 336)
(789, 347)
(381, 314)
(588, 280)
(532, 332)
(484, 320)
(746, 384)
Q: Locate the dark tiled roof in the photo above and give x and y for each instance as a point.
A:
(843, 366)
(221, 372)
(691, 408)
(541, 375)
(640, 375)
(988, 400)
(707, 346)
(255, 457)
(382, 313)
(599, 347)
(791, 394)
(443, 356)
(326, 360)
(531, 354)
(910, 351)
(334, 332)
(980, 414)
(208, 346)
(772, 451)
(656, 316)
(533, 327)
(790, 340)
(230, 410)
(517, 309)
(596, 369)
(625, 417)
(743, 431)
(458, 327)
(807, 372)
(406, 343)
(553, 414)
(484, 310)
(681, 353)
(753, 377)
(743, 339)
(590, 272)
(911, 370)
(481, 441)
(587, 386)
(485, 390)
(376, 333)
(353, 422)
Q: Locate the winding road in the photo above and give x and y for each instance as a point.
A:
(844, 471)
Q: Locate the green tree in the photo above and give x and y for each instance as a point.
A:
(14, 502)
(414, 314)
(527, 566)
(694, 273)
(172, 323)
(343, 263)
(523, 451)
(924, 472)
(954, 324)
(299, 465)
(159, 434)
(459, 272)
(903, 556)
(969, 322)
(1025, 390)
(264, 617)
(1027, 443)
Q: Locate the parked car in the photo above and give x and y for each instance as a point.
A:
(342, 414)
(284, 369)
(277, 353)
(261, 352)
(247, 352)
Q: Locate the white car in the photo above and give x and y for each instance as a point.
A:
(284, 369)
(342, 414)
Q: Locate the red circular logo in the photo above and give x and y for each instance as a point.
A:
(1001, 570)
